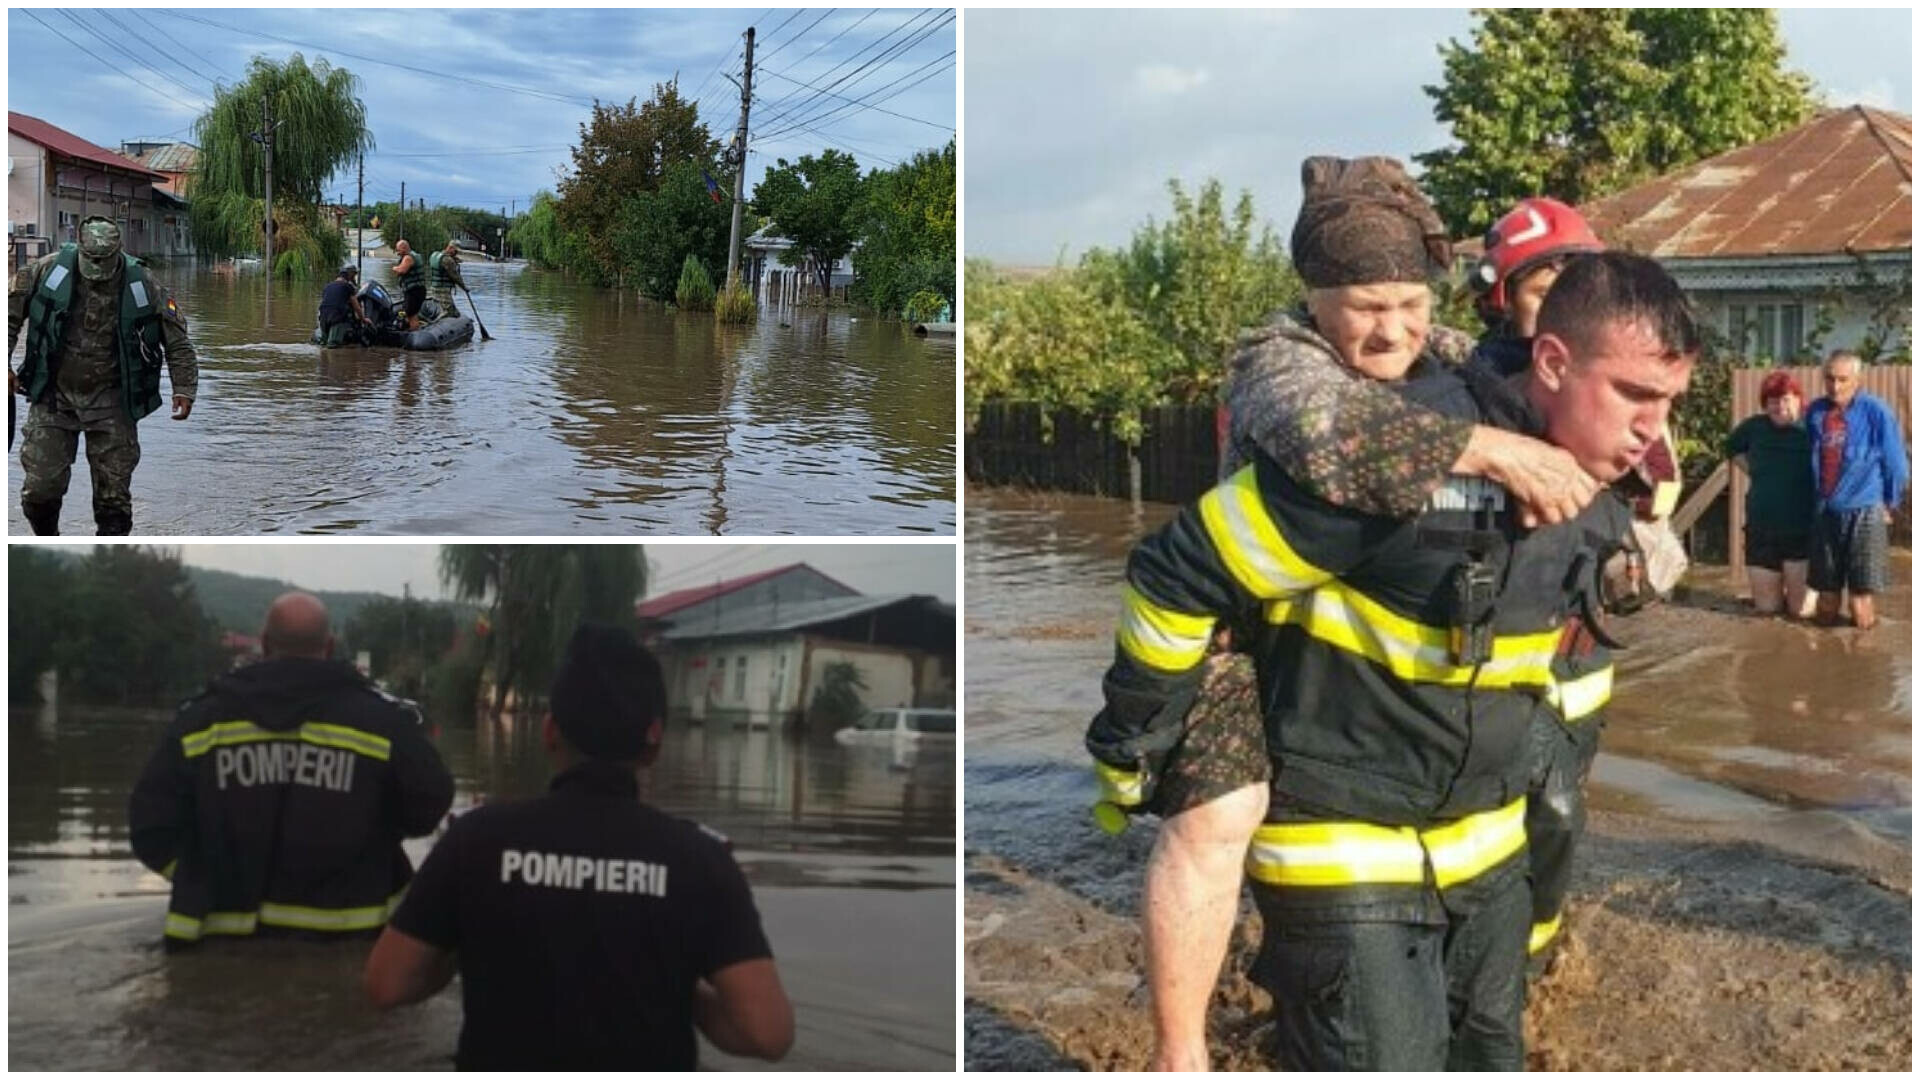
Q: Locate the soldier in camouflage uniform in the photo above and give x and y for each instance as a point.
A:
(1304, 401)
(98, 328)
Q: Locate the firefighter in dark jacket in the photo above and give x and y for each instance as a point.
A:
(590, 930)
(277, 799)
(1401, 664)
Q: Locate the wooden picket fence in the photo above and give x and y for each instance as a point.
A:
(1176, 460)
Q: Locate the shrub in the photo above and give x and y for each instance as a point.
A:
(736, 305)
(925, 306)
(696, 286)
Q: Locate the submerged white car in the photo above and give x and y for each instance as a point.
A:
(882, 726)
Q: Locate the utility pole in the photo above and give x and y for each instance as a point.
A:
(266, 140)
(740, 167)
(360, 215)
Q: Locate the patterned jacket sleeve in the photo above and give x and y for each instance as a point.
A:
(1347, 439)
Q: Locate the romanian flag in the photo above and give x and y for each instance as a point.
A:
(713, 189)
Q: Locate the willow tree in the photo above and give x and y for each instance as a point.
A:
(536, 594)
(320, 126)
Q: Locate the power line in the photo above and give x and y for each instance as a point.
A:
(184, 47)
(796, 37)
(429, 72)
(874, 96)
(783, 105)
(117, 47)
(860, 74)
(842, 97)
(29, 12)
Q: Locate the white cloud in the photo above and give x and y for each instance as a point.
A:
(1166, 80)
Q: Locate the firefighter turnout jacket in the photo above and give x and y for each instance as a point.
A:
(1401, 662)
(278, 798)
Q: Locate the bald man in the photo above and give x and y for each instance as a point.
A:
(412, 273)
(277, 799)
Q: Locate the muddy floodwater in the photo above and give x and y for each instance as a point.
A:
(588, 412)
(1742, 900)
(849, 849)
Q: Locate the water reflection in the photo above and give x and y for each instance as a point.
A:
(851, 852)
(590, 411)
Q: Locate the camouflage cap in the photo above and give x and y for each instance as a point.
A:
(1363, 221)
(99, 238)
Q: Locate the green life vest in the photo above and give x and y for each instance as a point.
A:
(416, 276)
(140, 343)
(440, 275)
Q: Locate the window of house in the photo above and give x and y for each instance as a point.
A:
(719, 674)
(1793, 331)
(1737, 327)
(739, 678)
(1765, 343)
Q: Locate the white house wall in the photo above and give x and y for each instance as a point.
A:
(26, 185)
(707, 680)
(1851, 320)
(888, 674)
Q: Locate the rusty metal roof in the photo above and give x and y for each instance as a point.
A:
(171, 158)
(61, 141)
(1842, 182)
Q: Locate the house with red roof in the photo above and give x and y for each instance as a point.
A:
(1791, 246)
(56, 178)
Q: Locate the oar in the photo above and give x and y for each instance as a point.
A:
(484, 336)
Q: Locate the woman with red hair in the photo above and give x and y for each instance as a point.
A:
(1774, 447)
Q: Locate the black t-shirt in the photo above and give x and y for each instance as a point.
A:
(582, 920)
(334, 300)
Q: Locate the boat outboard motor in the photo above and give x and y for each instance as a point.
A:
(378, 305)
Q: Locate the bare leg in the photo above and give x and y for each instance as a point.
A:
(1766, 589)
(1861, 605)
(1793, 577)
(1192, 896)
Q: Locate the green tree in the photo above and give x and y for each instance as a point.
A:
(403, 638)
(836, 702)
(537, 235)
(40, 590)
(536, 595)
(657, 231)
(322, 126)
(907, 236)
(1580, 103)
(624, 151)
(136, 634)
(813, 202)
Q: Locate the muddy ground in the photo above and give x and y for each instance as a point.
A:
(1743, 899)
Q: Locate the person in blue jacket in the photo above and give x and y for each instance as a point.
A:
(1860, 472)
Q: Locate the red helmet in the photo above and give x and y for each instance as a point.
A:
(1535, 231)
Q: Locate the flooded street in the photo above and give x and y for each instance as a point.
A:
(1747, 873)
(590, 412)
(850, 852)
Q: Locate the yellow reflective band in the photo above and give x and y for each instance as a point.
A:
(1349, 620)
(308, 918)
(1584, 696)
(1249, 543)
(1351, 853)
(235, 732)
(1465, 849)
(1121, 787)
(1542, 933)
(182, 927)
(1160, 637)
(1338, 853)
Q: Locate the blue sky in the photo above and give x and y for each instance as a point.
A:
(1075, 120)
(454, 140)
